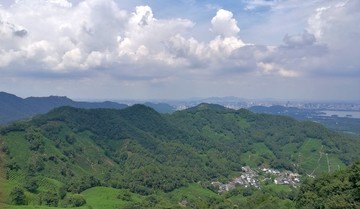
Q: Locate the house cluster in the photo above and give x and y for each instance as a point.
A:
(284, 177)
(251, 177)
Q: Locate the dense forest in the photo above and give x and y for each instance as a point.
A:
(338, 190)
(139, 158)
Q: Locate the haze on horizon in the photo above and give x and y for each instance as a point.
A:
(100, 49)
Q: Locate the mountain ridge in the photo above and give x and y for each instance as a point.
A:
(14, 108)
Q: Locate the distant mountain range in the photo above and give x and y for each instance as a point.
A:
(14, 108)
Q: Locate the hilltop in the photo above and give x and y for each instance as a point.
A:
(67, 156)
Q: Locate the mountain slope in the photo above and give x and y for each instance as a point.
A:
(145, 152)
(285, 142)
(14, 108)
(338, 190)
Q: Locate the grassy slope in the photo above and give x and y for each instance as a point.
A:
(253, 158)
(107, 198)
(110, 198)
(313, 157)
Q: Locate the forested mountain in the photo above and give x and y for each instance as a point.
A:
(70, 156)
(14, 108)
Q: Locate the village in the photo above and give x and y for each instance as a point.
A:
(252, 178)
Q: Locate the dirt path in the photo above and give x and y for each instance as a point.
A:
(328, 163)
(318, 161)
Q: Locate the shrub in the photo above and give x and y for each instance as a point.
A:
(75, 200)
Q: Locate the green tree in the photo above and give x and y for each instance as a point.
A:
(35, 139)
(62, 192)
(31, 184)
(17, 196)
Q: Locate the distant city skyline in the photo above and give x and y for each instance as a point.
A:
(109, 49)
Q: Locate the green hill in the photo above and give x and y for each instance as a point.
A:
(149, 159)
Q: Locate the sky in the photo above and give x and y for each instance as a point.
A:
(162, 49)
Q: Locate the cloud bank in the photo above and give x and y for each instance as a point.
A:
(94, 38)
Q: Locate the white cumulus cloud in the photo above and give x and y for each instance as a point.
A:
(336, 25)
(224, 24)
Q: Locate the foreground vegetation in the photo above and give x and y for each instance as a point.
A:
(138, 158)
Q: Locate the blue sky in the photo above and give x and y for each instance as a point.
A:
(109, 49)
